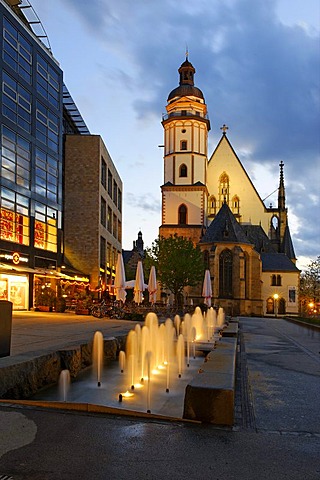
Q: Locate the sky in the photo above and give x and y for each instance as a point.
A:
(257, 63)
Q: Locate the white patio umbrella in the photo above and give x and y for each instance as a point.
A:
(207, 289)
(120, 280)
(152, 285)
(139, 284)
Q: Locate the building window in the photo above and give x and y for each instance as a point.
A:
(119, 200)
(183, 170)
(115, 193)
(110, 183)
(115, 226)
(103, 212)
(48, 82)
(276, 280)
(212, 205)
(103, 173)
(109, 220)
(47, 127)
(45, 228)
(223, 188)
(16, 103)
(119, 231)
(14, 217)
(46, 175)
(206, 259)
(17, 51)
(183, 145)
(16, 157)
(235, 205)
(182, 215)
(102, 252)
(225, 274)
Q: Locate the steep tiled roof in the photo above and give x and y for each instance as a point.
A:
(287, 245)
(257, 236)
(277, 262)
(224, 228)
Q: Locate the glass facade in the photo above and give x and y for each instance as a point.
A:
(31, 133)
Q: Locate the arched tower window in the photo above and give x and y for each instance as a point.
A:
(212, 205)
(182, 215)
(235, 205)
(223, 188)
(183, 170)
(225, 274)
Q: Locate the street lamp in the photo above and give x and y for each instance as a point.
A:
(276, 296)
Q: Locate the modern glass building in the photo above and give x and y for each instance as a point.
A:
(37, 112)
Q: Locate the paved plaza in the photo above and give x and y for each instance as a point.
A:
(276, 434)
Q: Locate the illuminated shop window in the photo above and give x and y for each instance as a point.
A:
(14, 217)
(45, 228)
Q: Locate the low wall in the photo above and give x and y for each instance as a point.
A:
(22, 376)
(210, 395)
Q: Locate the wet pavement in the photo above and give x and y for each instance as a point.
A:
(276, 434)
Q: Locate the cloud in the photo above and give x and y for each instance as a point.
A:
(258, 74)
(144, 202)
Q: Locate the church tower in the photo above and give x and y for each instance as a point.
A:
(184, 192)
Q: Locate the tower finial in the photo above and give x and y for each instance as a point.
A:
(187, 52)
(281, 190)
(224, 128)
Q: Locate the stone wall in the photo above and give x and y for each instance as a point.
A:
(24, 375)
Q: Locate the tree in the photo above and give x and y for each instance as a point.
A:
(178, 263)
(310, 286)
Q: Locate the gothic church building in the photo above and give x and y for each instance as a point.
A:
(246, 246)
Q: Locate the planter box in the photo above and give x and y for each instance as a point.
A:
(82, 311)
(43, 308)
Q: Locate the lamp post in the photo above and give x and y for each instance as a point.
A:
(276, 296)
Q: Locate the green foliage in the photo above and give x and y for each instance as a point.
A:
(310, 284)
(178, 263)
(45, 297)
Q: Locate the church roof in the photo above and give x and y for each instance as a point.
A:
(186, 85)
(257, 236)
(277, 262)
(185, 91)
(287, 245)
(225, 228)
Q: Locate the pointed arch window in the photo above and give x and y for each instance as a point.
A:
(206, 259)
(276, 280)
(212, 205)
(225, 274)
(223, 188)
(235, 205)
(182, 215)
(183, 170)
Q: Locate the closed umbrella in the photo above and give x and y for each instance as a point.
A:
(207, 289)
(139, 284)
(120, 280)
(152, 286)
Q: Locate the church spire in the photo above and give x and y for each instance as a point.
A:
(187, 72)
(281, 190)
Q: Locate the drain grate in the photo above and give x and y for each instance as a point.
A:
(6, 477)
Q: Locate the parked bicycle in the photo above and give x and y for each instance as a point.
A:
(107, 309)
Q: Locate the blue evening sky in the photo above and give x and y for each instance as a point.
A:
(257, 63)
